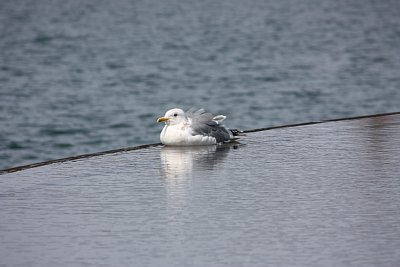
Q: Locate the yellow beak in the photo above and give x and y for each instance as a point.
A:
(162, 119)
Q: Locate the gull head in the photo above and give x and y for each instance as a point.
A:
(173, 116)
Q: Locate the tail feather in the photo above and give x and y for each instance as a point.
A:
(236, 132)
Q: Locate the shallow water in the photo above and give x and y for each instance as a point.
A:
(316, 195)
(85, 77)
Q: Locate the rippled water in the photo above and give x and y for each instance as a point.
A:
(78, 77)
(319, 195)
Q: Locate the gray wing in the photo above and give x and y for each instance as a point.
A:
(203, 124)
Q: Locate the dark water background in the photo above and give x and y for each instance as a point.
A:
(85, 76)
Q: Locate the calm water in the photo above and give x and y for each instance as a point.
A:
(319, 195)
(86, 76)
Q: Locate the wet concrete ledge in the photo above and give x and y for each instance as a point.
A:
(309, 194)
(113, 151)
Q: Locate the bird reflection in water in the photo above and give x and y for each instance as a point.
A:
(179, 164)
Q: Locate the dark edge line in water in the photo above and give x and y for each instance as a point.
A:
(318, 122)
(83, 156)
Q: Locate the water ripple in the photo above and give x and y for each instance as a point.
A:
(71, 69)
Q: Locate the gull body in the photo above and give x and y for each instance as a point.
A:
(193, 128)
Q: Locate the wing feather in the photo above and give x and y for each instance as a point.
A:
(204, 123)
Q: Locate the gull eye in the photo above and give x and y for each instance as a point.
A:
(176, 114)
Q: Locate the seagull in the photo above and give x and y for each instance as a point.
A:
(194, 128)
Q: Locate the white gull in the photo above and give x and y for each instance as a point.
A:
(194, 128)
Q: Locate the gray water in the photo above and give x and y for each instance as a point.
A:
(86, 76)
(317, 195)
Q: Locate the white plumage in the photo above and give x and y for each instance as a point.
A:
(193, 128)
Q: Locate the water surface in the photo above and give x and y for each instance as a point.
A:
(316, 195)
(81, 77)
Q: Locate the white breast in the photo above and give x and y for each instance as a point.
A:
(178, 135)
